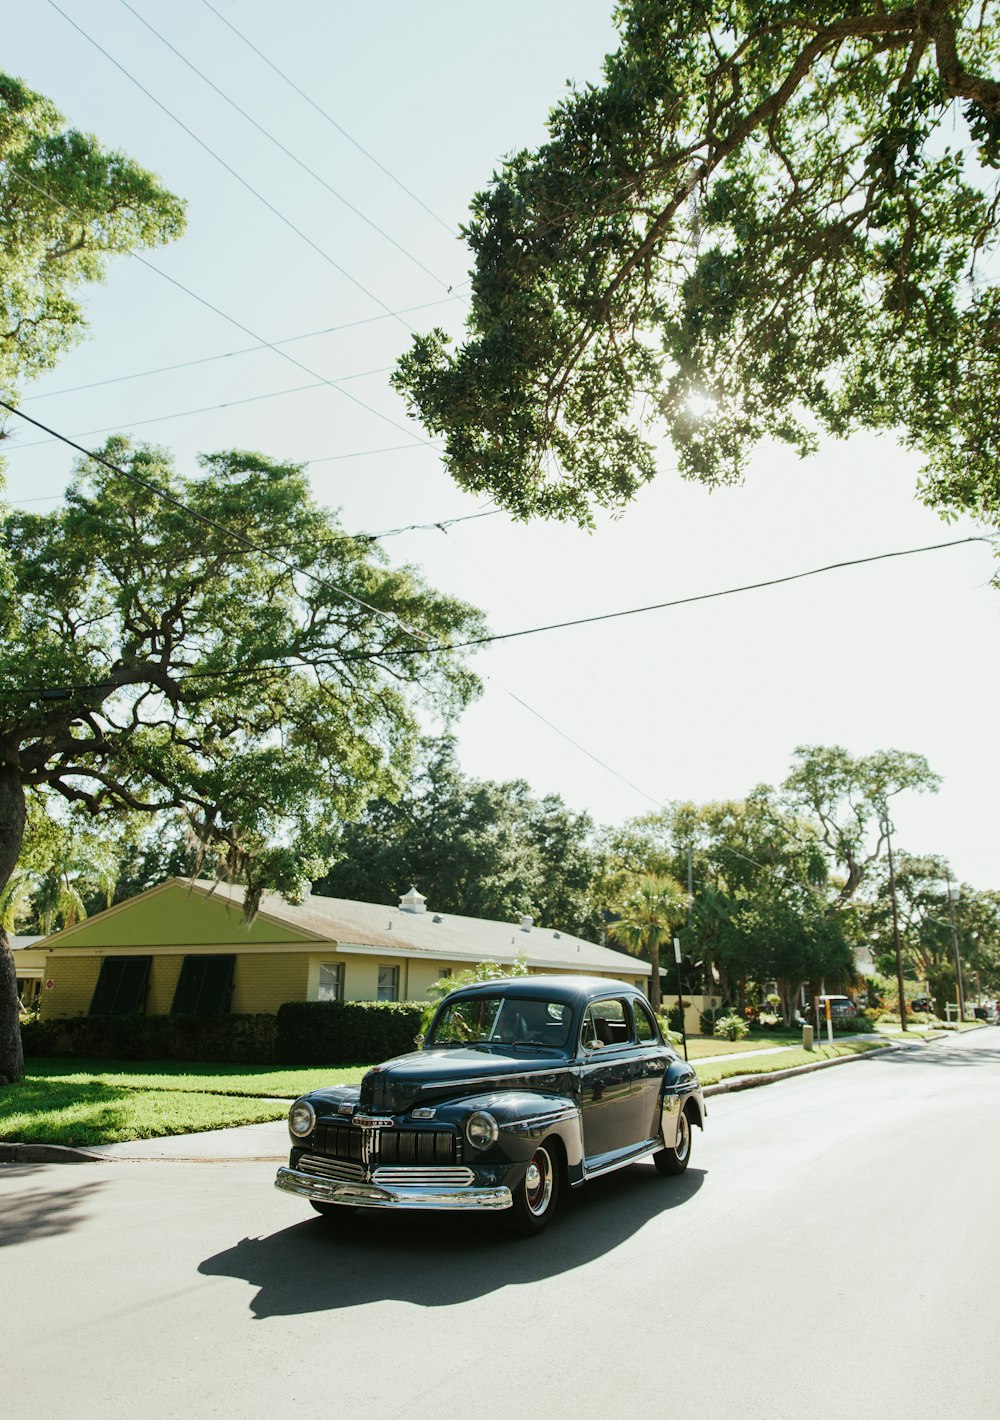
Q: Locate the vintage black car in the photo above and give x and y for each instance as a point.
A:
(524, 1086)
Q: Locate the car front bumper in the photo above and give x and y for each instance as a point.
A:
(355, 1194)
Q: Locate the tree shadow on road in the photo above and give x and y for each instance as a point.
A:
(941, 1053)
(440, 1259)
(31, 1213)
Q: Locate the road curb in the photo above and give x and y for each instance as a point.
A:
(47, 1154)
(750, 1082)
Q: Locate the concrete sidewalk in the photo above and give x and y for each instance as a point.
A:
(244, 1144)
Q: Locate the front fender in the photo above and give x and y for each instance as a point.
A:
(525, 1118)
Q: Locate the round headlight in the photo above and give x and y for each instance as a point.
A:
(301, 1119)
(481, 1130)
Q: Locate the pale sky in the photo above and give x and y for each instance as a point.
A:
(699, 702)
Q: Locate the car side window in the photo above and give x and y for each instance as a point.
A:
(645, 1026)
(606, 1023)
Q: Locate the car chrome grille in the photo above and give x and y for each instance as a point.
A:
(422, 1178)
(427, 1148)
(331, 1168)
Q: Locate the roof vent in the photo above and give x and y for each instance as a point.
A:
(437, 918)
(526, 924)
(557, 935)
(413, 901)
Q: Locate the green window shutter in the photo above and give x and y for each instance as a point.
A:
(204, 986)
(121, 987)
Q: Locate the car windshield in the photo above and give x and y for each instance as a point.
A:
(502, 1020)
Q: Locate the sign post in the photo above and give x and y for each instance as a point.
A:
(680, 994)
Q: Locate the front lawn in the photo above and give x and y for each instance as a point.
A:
(79, 1102)
(85, 1102)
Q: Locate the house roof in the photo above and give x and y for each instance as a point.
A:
(371, 928)
(434, 934)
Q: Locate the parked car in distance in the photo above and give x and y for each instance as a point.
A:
(921, 1003)
(839, 1006)
(524, 1087)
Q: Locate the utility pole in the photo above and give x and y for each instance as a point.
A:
(886, 827)
(954, 944)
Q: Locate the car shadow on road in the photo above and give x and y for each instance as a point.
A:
(440, 1259)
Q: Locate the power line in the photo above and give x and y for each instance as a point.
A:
(449, 228)
(711, 596)
(211, 408)
(287, 151)
(244, 350)
(231, 170)
(417, 442)
(207, 521)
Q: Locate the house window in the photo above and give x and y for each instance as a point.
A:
(331, 981)
(204, 986)
(388, 983)
(121, 987)
(445, 973)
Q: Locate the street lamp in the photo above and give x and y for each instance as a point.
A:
(953, 896)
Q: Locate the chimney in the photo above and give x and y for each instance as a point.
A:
(413, 901)
(526, 924)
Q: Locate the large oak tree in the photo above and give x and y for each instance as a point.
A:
(772, 220)
(214, 644)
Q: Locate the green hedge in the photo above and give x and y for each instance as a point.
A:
(346, 1032)
(242, 1040)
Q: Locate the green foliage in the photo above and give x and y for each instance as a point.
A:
(211, 678)
(66, 204)
(345, 1032)
(646, 916)
(848, 797)
(474, 847)
(772, 213)
(244, 1039)
(731, 1027)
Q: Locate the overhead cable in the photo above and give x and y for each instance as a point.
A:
(449, 227)
(320, 251)
(417, 441)
(318, 177)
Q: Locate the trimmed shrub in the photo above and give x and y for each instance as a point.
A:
(241, 1040)
(346, 1032)
(731, 1027)
(707, 1020)
(849, 1025)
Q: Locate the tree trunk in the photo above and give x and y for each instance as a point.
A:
(654, 980)
(12, 816)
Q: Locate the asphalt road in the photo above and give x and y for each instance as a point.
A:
(834, 1249)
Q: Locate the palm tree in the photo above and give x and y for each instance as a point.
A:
(647, 916)
(15, 900)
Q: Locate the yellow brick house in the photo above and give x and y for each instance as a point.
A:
(183, 948)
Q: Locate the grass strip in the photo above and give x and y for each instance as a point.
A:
(788, 1059)
(254, 1081)
(39, 1112)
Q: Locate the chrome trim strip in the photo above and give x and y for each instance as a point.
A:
(541, 1121)
(650, 1147)
(331, 1168)
(366, 1195)
(406, 1177)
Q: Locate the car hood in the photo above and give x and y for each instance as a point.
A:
(428, 1075)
